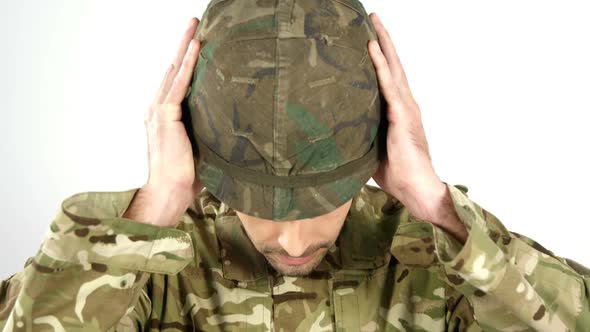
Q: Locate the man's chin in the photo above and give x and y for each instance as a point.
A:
(301, 270)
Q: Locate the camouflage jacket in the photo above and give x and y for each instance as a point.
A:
(388, 271)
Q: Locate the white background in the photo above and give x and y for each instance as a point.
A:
(503, 88)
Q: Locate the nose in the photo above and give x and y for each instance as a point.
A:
(292, 239)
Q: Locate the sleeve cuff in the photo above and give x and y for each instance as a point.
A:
(480, 262)
(477, 266)
(89, 230)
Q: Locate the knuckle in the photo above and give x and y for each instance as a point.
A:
(154, 127)
(175, 83)
(170, 70)
(180, 81)
(147, 116)
(186, 62)
(167, 111)
(157, 114)
(148, 120)
(382, 61)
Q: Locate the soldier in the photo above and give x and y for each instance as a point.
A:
(256, 214)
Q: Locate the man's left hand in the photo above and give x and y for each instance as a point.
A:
(407, 172)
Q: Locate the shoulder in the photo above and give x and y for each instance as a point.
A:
(371, 202)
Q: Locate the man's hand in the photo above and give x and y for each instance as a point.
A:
(407, 172)
(172, 183)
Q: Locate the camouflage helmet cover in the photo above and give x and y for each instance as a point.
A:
(284, 106)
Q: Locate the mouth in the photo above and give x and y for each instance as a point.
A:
(296, 261)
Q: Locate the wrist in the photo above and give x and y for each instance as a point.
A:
(158, 205)
(443, 214)
(165, 193)
(168, 198)
(425, 201)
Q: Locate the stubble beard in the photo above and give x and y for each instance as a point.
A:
(296, 270)
(319, 250)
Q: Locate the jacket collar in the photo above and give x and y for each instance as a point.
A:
(363, 243)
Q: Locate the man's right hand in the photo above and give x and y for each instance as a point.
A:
(172, 183)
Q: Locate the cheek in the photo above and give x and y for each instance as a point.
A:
(324, 230)
(334, 229)
(260, 232)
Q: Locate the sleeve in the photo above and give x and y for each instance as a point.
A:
(499, 280)
(91, 268)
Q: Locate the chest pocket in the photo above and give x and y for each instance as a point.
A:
(346, 311)
(345, 298)
(357, 296)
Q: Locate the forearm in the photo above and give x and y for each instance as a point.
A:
(91, 257)
(54, 295)
(512, 281)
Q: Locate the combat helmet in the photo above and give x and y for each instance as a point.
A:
(284, 106)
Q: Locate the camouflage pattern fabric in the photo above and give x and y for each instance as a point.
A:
(388, 271)
(285, 110)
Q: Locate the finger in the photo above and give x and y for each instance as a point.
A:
(183, 78)
(173, 69)
(387, 47)
(386, 82)
(166, 78)
(189, 35)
